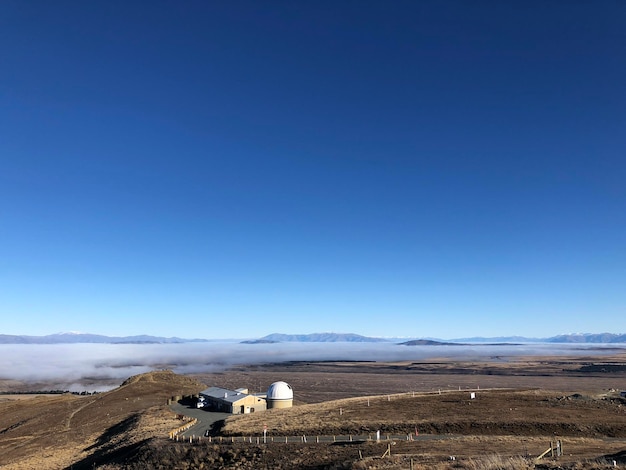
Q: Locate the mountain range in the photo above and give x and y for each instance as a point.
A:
(65, 338)
(583, 338)
(321, 338)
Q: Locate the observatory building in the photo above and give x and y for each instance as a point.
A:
(279, 395)
(240, 401)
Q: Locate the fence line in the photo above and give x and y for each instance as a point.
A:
(175, 432)
(316, 439)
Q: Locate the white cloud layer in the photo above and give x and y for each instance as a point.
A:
(78, 367)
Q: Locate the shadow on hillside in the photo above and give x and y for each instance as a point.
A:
(216, 427)
(619, 457)
(112, 455)
(115, 430)
(107, 448)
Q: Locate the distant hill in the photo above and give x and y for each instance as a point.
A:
(322, 338)
(499, 339)
(582, 338)
(589, 338)
(428, 342)
(65, 338)
(259, 341)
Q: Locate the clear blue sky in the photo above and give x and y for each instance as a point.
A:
(233, 169)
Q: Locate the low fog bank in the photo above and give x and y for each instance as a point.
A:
(97, 367)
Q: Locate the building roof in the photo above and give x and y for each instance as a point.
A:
(223, 394)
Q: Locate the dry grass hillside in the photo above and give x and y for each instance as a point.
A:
(59, 430)
(125, 429)
(499, 429)
(492, 412)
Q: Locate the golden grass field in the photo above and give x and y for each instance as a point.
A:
(521, 405)
(56, 431)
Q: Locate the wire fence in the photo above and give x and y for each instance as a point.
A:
(307, 439)
(181, 435)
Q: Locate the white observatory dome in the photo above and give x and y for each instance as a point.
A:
(280, 391)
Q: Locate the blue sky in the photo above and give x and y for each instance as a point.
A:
(233, 169)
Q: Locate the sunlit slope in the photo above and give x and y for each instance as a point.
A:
(55, 431)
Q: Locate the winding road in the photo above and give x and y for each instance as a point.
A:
(206, 419)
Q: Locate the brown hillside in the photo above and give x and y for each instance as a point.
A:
(126, 428)
(498, 430)
(55, 431)
(492, 412)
